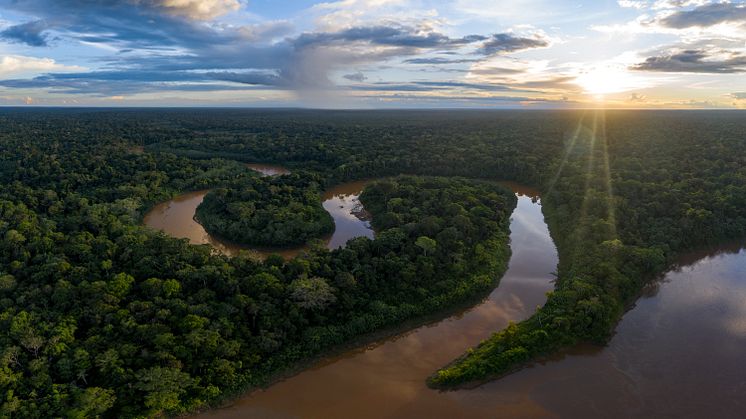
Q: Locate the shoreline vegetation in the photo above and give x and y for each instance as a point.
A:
(100, 316)
(489, 263)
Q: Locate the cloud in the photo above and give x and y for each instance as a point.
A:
(264, 31)
(395, 35)
(447, 101)
(122, 24)
(432, 86)
(193, 9)
(314, 55)
(440, 60)
(30, 33)
(336, 15)
(111, 83)
(358, 77)
(738, 95)
(189, 9)
(504, 43)
(637, 4)
(13, 65)
(167, 45)
(694, 61)
(659, 4)
(559, 82)
(706, 15)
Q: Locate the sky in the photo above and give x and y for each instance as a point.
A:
(374, 53)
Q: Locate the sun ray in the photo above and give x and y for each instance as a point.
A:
(610, 205)
(568, 149)
(589, 168)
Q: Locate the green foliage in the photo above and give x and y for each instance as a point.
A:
(267, 211)
(100, 316)
(667, 181)
(427, 244)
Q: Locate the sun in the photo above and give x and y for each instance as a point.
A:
(603, 80)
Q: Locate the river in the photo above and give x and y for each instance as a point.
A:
(387, 378)
(677, 353)
(176, 218)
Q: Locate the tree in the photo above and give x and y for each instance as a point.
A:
(163, 386)
(312, 293)
(427, 244)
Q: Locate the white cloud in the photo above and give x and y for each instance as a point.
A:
(660, 4)
(636, 4)
(675, 4)
(337, 15)
(18, 65)
(515, 11)
(194, 9)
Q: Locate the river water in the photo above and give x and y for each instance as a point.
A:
(677, 354)
(387, 378)
(176, 218)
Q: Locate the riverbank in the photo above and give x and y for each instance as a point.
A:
(175, 217)
(389, 374)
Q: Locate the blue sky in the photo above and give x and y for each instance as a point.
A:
(374, 53)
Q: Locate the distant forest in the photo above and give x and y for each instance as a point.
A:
(101, 316)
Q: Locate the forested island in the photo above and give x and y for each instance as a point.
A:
(267, 211)
(102, 316)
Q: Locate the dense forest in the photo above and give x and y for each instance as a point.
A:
(101, 316)
(631, 191)
(267, 211)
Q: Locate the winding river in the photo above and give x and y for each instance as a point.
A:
(678, 353)
(387, 378)
(176, 217)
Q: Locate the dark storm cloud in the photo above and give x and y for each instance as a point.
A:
(706, 15)
(136, 24)
(358, 77)
(107, 83)
(501, 43)
(30, 33)
(159, 49)
(693, 61)
(396, 36)
(162, 76)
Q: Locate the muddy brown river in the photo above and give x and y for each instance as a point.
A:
(176, 218)
(387, 378)
(677, 354)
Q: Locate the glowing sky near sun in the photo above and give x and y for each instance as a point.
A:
(374, 53)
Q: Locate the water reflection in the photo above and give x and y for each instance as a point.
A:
(176, 218)
(677, 353)
(350, 218)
